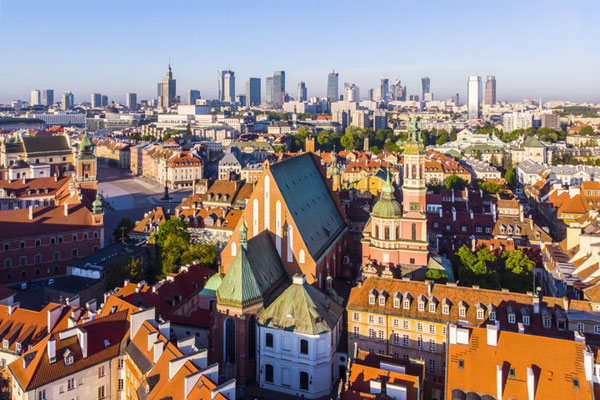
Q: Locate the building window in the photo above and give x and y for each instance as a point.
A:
(269, 373)
(303, 346)
(356, 316)
(580, 327)
(71, 384)
(382, 300)
(414, 231)
(6, 246)
(432, 365)
(356, 331)
(406, 324)
(381, 334)
(42, 394)
(38, 242)
(7, 262)
(432, 307)
(431, 345)
(412, 260)
(511, 318)
(372, 299)
(406, 304)
(526, 320)
(303, 381)
(396, 337)
(445, 310)
(371, 333)
(548, 324)
(386, 233)
(101, 393)
(396, 303)
(492, 315)
(432, 329)
(60, 239)
(461, 364)
(22, 245)
(52, 240)
(74, 253)
(74, 238)
(395, 323)
(443, 347)
(419, 327)
(381, 320)
(421, 306)
(120, 363)
(121, 384)
(23, 261)
(406, 340)
(444, 330)
(269, 340)
(371, 319)
(462, 312)
(56, 256)
(37, 259)
(480, 314)
(420, 342)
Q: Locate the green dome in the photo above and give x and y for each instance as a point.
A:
(212, 284)
(97, 205)
(387, 206)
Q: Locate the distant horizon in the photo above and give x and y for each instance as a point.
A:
(121, 47)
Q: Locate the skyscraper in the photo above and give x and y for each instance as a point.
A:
(193, 95)
(48, 97)
(269, 90)
(332, 86)
(96, 100)
(36, 98)
(384, 88)
(474, 96)
(226, 81)
(490, 91)
(278, 88)
(253, 92)
(351, 92)
(302, 93)
(131, 101)
(67, 101)
(167, 90)
(104, 100)
(426, 84)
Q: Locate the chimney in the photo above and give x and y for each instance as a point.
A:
(53, 316)
(499, 382)
(190, 381)
(566, 304)
(30, 213)
(521, 327)
(298, 279)
(536, 302)
(71, 322)
(13, 307)
(471, 213)
(375, 386)
(24, 180)
(492, 334)
(429, 288)
(441, 212)
(83, 342)
(530, 384)
(158, 350)
(152, 336)
(66, 206)
(51, 348)
(588, 364)
(55, 177)
(91, 305)
(453, 213)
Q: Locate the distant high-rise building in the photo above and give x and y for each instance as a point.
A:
(302, 92)
(371, 94)
(426, 85)
(474, 96)
(351, 92)
(380, 120)
(253, 92)
(131, 101)
(269, 90)
(96, 100)
(241, 100)
(385, 88)
(456, 99)
(193, 95)
(167, 90)
(490, 91)
(278, 88)
(47, 97)
(226, 80)
(68, 101)
(332, 86)
(104, 100)
(36, 98)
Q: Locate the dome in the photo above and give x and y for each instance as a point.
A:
(387, 206)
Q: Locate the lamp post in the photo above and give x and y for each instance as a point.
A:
(166, 196)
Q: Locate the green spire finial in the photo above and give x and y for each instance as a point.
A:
(387, 190)
(244, 236)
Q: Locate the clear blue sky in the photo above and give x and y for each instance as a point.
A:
(534, 48)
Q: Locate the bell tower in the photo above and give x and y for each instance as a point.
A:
(86, 162)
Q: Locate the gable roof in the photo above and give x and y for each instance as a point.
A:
(253, 273)
(45, 144)
(302, 308)
(309, 202)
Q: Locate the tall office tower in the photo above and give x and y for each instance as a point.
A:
(131, 101)
(253, 92)
(96, 100)
(193, 95)
(385, 88)
(426, 84)
(68, 101)
(159, 90)
(167, 90)
(456, 99)
(278, 88)
(351, 92)
(302, 93)
(226, 80)
(474, 96)
(371, 94)
(490, 91)
(36, 98)
(269, 90)
(48, 97)
(241, 100)
(332, 86)
(104, 100)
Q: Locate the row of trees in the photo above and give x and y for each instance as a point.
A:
(513, 269)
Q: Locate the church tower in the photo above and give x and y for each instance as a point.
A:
(86, 163)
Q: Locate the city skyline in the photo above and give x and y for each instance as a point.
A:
(520, 72)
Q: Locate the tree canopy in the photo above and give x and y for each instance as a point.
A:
(175, 227)
(455, 182)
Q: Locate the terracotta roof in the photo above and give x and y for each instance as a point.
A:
(36, 187)
(555, 363)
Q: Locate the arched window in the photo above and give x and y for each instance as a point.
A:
(278, 223)
(267, 202)
(229, 340)
(376, 232)
(303, 380)
(255, 217)
(233, 249)
(414, 172)
(290, 243)
(397, 233)
(303, 346)
(414, 231)
(301, 256)
(386, 233)
(268, 373)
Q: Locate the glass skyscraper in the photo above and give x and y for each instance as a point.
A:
(253, 92)
(226, 81)
(278, 88)
(269, 90)
(474, 94)
(426, 84)
(332, 86)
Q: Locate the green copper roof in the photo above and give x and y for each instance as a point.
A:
(254, 272)
(212, 284)
(302, 308)
(387, 206)
(309, 201)
(414, 143)
(86, 147)
(531, 141)
(97, 205)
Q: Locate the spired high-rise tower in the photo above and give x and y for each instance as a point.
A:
(167, 90)
(396, 235)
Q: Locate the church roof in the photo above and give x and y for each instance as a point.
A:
(309, 202)
(41, 143)
(302, 308)
(387, 206)
(254, 272)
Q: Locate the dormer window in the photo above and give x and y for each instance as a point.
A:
(547, 322)
(421, 306)
(406, 304)
(371, 299)
(492, 316)
(445, 309)
(69, 360)
(382, 300)
(396, 302)
(480, 314)
(512, 318)
(432, 307)
(5, 343)
(462, 311)
(18, 347)
(526, 320)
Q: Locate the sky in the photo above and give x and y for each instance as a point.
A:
(548, 49)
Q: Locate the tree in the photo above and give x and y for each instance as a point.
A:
(511, 178)
(121, 232)
(374, 150)
(174, 226)
(587, 131)
(172, 251)
(518, 271)
(441, 140)
(455, 182)
(204, 253)
(349, 141)
(281, 148)
(436, 275)
(477, 269)
(188, 129)
(489, 187)
(453, 134)
(506, 161)
(325, 141)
